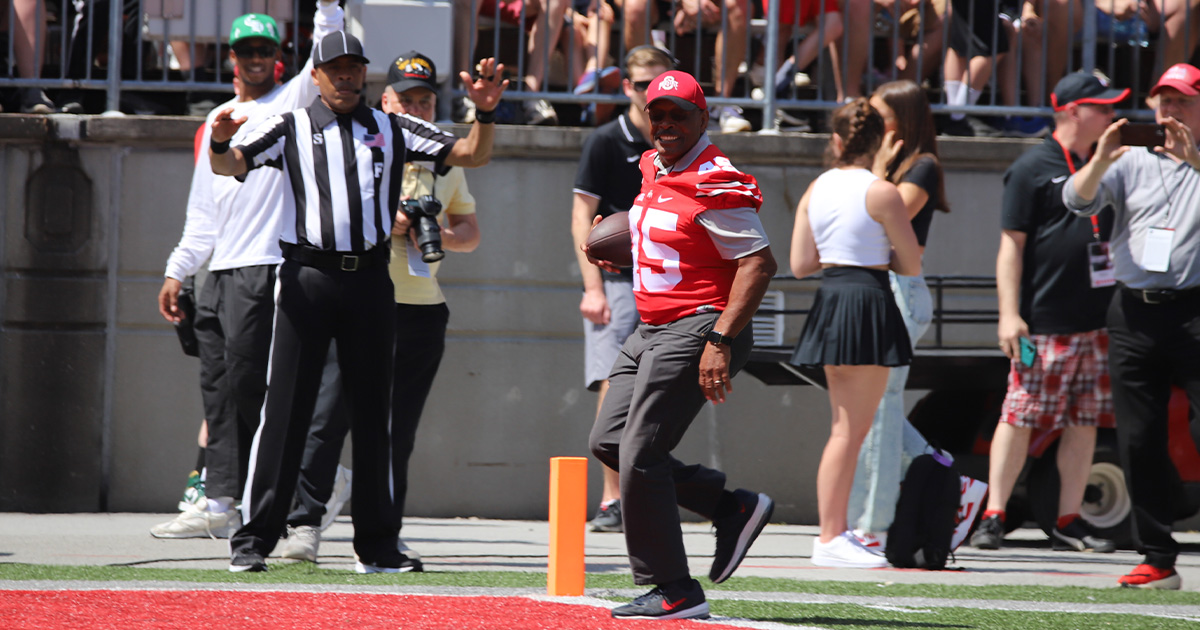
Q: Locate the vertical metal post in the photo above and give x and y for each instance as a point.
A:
(115, 34)
(771, 59)
(1089, 36)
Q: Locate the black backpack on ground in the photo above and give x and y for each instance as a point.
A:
(919, 537)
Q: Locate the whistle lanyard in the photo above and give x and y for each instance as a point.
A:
(1071, 168)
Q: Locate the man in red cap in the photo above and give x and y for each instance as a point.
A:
(1154, 317)
(701, 265)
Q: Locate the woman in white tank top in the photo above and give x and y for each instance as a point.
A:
(853, 227)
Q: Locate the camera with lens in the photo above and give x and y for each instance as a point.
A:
(423, 212)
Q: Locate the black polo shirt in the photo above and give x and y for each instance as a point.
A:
(608, 170)
(1056, 293)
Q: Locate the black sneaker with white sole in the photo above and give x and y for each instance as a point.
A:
(1078, 536)
(679, 600)
(247, 562)
(608, 518)
(736, 532)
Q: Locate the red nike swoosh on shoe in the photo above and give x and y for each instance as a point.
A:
(669, 606)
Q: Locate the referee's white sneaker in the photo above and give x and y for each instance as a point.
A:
(199, 522)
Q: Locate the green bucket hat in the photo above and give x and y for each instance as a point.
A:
(254, 25)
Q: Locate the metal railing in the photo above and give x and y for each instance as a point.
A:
(134, 54)
(941, 287)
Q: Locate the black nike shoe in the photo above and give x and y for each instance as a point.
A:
(736, 532)
(678, 600)
(1078, 536)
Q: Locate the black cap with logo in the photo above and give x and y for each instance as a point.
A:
(410, 70)
(336, 45)
(1084, 88)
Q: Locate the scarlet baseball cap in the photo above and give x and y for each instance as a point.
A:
(1085, 88)
(1181, 76)
(678, 87)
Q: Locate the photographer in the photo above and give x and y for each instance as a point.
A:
(1154, 317)
(421, 312)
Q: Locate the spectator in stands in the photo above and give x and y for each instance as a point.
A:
(974, 47)
(921, 36)
(592, 22)
(1180, 21)
(544, 23)
(28, 39)
(852, 227)
(1055, 20)
(791, 70)
(730, 50)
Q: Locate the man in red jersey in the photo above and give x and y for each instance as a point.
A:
(701, 265)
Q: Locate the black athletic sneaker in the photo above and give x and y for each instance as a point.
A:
(989, 534)
(1078, 536)
(736, 532)
(247, 562)
(608, 518)
(680, 600)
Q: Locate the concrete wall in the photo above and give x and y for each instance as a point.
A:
(101, 409)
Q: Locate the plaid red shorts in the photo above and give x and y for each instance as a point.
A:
(1067, 386)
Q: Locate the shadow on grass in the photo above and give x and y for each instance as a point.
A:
(826, 622)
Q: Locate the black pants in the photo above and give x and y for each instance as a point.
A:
(313, 307)
(420, 345)
(653, 396)
(233, 329)
(1152, 346)
(323, 449)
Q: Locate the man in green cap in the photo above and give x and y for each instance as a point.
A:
(234, 224)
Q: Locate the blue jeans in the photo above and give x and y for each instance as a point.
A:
(892, 443)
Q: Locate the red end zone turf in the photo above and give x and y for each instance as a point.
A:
(239, 610)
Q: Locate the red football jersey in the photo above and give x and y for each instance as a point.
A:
(677, 270)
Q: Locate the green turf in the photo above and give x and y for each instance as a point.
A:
(305, 573)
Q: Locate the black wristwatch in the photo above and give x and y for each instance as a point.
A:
(718, 338)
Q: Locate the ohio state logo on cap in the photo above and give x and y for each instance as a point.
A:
(668, 83)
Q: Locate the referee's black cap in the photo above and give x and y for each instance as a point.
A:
(336, 45)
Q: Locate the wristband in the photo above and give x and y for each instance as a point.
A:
(485, 117)
(218, 147)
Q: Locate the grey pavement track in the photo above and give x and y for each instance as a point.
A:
(476, 544)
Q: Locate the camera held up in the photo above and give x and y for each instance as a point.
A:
(422, 213)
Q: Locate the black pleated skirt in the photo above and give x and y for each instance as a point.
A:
(854, 321)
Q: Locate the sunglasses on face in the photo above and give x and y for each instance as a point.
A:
(641, 86)
(247, 50)
(675, 114)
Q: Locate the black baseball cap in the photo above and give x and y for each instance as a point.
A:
(336, 45)
(1085, 88)
(410, 70)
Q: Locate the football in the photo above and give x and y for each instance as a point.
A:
(609, 240)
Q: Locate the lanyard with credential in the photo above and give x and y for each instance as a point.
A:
(1071, 168)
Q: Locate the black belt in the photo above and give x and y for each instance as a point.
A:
(334, 261)
(1161, 296)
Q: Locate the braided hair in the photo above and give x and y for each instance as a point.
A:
(861, 129)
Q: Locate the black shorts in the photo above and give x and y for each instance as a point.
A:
(977, 37)
(854, 320)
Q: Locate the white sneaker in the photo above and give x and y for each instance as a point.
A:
(540, 112)
(875, 542)
(302, 543)
(341, 493)
(198, 522)
(971, 493)
(732, 120)
(467, 107)
(845, 552)
(784, 120)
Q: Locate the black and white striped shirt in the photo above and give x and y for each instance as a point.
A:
(343, 171)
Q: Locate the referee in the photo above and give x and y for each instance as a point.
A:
(344, 164)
